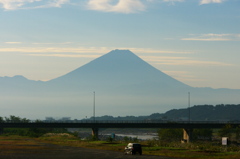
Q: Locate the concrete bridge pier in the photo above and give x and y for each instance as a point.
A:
(1, 131)
(95, 133)
(187, 135)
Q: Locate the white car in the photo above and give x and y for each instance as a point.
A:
(133, 148)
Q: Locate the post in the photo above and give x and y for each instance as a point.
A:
(187, 135)
(95, 133)
(189, 113)
(94, 106)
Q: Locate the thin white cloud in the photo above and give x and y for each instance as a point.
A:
(183, 76)
(21, 4)
(101, 50)
(63, 43)
(182, 61)
(172, 1)
(44, 50)
(210, 1)
(15, 4)
(67, 55)
(94, 52)
(213, 37)
(202, 39)
(194, 63)
(149, 50)
(54, 4)
(119, 6)
(13, 42)
(122, 6)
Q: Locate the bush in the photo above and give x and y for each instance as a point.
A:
(109, 139)
(170, 134)
(130, 139)
(202, 134)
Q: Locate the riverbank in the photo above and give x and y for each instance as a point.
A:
(65, 145)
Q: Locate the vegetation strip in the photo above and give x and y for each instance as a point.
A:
(15, 141)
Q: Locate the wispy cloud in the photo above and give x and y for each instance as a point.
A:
(149, 50)
(48, 49)
(44, 50)
(66, 55)
(21, 4)
(118, 6)
(15, 4)
(172, 2)
(183, 76)
(213, 37)
(13, 42)
(122, 6)
(182, 61)
(170, 57)
(207, 39)
(54, 4)
(63, 43)
(211, 1)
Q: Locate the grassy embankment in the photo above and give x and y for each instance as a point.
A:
(13, 144)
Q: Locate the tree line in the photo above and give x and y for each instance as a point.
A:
(32, 132)
(170, 135)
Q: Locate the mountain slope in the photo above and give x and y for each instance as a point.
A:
(18, 85)
(116, 69)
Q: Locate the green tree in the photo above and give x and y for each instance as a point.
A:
(226, 131)
(237, 133)
(170, 134)
(13, 118)
(1, 120)
(32, 132)
(205, 134)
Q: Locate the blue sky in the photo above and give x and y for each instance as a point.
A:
(194, 41)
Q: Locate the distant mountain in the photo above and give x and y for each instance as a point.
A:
(119, 70)
(18, 84)
(221, 112)
(124, 85)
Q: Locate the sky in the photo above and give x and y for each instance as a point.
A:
(194, 41)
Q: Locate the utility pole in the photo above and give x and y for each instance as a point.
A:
(189, 113)
(94, 106)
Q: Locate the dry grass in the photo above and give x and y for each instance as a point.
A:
(16, 144)
(182, 152)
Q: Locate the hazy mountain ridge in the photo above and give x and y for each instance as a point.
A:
(221, 112)
(18, 85)
(228, 112)
(124, 84)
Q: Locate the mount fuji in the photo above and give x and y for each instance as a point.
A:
(124, 85)
(119, 69)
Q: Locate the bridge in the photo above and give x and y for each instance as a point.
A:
(187, 126)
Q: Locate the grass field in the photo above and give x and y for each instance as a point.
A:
(16, 144)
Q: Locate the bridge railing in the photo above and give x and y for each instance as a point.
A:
(124, 121)
(142, 121)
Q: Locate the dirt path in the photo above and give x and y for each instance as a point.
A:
(49, 151)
